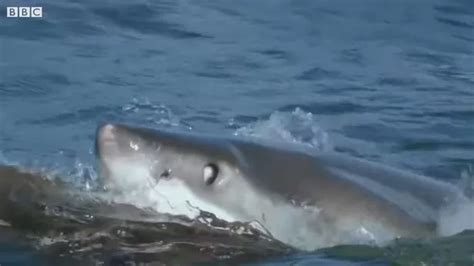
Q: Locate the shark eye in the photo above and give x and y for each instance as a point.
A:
(166, 174)
(210, 173)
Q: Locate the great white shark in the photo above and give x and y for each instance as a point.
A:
(306, 199)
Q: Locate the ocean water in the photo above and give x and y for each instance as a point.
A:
(390, 81)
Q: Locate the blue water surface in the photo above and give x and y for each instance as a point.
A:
(392, 81)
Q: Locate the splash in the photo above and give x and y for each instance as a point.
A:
(147, 112)
(84, 176)
(297, 127)
(460, 215)
(301, 128)
(456, 218)
(466, 183)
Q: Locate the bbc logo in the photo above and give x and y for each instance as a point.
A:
(24, 12)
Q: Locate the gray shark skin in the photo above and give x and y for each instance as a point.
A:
(304, 199)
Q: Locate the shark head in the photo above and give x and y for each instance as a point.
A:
(190, 169)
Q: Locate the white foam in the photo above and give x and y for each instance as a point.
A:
(5, 223)
(459, 216)
(153, 113)
(456, 218)
(297, 127)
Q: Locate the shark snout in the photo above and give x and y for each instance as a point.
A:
(105, 133)
(106, 148)
(106, 140)
(122, 155)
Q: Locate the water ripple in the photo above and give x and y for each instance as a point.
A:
(32, 85)
(317, 73)
(427, 144)
(455, 23)
(145, 19)
(326, 108)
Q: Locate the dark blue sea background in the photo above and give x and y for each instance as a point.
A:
(390, 81)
